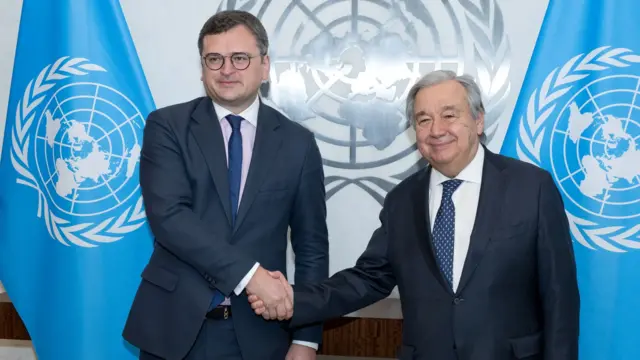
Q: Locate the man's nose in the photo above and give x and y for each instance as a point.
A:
(227, 68)
(438, 127)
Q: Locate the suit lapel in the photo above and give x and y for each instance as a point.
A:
(265, 148)
(423, 225)
(208, 135)
(487, 216)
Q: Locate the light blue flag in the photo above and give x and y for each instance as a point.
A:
(578, 116)
(73, 232)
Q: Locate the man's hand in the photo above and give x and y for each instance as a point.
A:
(275, 297)
(300, 352)
(262, 308)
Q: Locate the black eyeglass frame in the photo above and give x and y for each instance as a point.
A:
(230, 57)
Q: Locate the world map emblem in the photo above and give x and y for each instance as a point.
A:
(77, 143)
(583, 125)
(343, 69)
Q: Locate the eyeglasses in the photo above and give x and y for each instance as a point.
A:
(240, 61)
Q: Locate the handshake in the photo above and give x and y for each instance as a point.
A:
(270, 295)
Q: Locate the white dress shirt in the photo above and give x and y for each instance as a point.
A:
(465, 201)
(248, 131)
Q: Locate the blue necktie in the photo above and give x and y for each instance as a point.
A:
(444, 229)
(235, 164)
(235, 176)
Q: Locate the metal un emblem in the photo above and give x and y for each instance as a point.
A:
(343, 69)
(583, 125)
(77, 144)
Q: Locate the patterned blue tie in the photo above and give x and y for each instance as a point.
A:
(444, 229)
(235, 176)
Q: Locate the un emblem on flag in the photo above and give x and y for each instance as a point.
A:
(583, 125)
(77, 143)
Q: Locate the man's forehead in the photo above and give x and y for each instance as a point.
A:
(443, 105)
(237, 33)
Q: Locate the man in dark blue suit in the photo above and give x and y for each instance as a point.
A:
(477, 243)
(224, 178)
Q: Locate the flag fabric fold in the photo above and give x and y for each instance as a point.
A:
(578, 116)
(73, 231)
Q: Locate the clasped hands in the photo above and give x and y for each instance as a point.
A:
(270, 295)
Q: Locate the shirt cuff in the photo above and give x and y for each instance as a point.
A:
(306, 343)
(245, 280)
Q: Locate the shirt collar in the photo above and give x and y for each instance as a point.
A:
(471, 173)
(250, 114)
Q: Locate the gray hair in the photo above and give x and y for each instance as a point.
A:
(474, 94)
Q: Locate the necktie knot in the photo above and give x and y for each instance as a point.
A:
(449, 187)
(234, 121)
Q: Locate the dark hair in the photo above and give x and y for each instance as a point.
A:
(226, 20)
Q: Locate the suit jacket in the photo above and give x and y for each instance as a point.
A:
(186, 194)
(518, 295)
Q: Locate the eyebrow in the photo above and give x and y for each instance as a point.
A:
(450, 107)
(446, 108)
(421, 113)
(229, 54)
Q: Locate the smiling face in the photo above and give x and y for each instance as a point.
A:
(232, 88)
(447, 135)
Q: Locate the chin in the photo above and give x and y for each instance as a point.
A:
(442, 157)
(229, 98)
(441, 161)
(441, 151)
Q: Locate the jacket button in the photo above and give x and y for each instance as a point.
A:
(457, 301)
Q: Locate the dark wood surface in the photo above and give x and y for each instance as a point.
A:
(11, 327)
(364, 337)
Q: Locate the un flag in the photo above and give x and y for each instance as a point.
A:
(73, 231)
(578, 116)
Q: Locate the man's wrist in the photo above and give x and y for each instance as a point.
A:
(246, 279)
(312, 345)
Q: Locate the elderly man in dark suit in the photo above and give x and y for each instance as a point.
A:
(477, 243)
